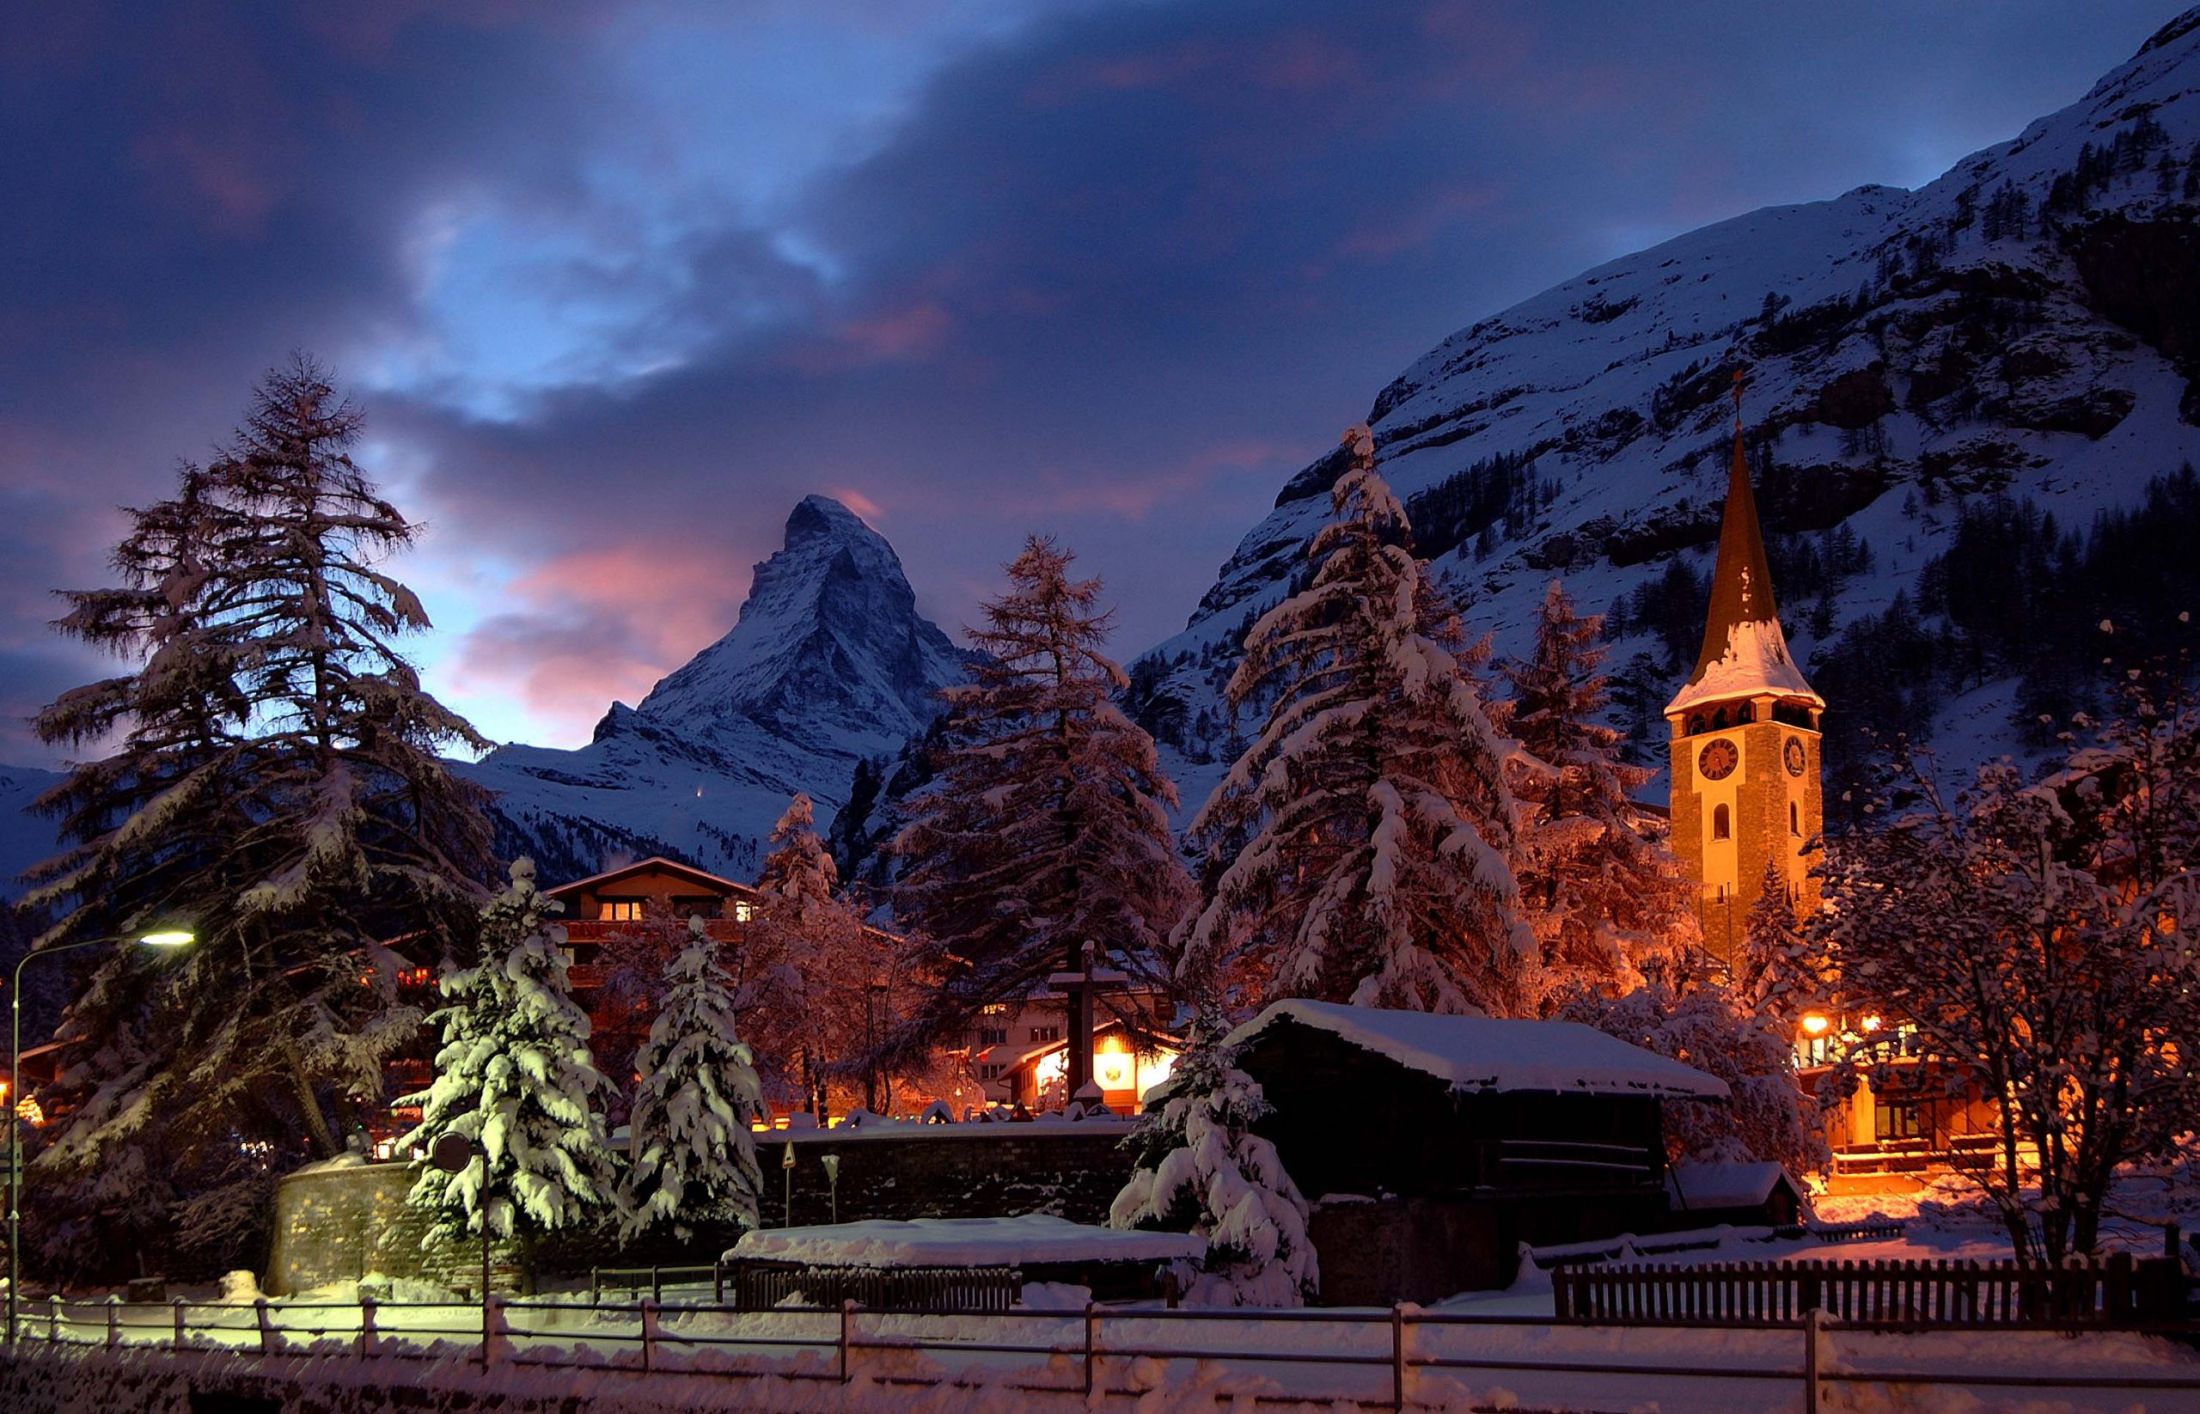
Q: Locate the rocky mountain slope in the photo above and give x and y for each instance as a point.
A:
(829, 664)
(1920, 364)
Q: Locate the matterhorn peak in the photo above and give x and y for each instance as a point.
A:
(829, 651)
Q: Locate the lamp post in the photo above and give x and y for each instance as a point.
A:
(159, 938)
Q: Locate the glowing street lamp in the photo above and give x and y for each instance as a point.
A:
(156, 938)
(1815, 1023)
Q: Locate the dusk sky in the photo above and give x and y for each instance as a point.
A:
(617, 284)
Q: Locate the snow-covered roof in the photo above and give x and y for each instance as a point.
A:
(656, 863)
(1698, 1186)
(1483, 1053)
(1756, 661)
(961, 1242)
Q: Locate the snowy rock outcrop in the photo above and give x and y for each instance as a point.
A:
(830, 663)
(2026, 325)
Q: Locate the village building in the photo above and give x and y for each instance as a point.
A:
(1432, 1147)
(1747, 791)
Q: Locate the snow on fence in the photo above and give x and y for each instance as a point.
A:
(2117, 1291)
(1397, 1358)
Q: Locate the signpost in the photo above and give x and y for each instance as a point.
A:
(786, 1166)
(832, 1177)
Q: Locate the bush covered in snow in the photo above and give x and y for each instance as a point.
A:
(1201, 1169)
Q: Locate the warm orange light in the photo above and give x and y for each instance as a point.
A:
(27, 1108)
(1871, 1023)
(1815, 1024)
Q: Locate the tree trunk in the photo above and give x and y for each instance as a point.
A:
(309, 1104)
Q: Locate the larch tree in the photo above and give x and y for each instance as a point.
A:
(691, 1154)
(1048, 827)
(817, 967)
(1361, 848)
(1201, 1169)
(1608, 902)
(274, 785)
(2044, 942)
(515, 1076)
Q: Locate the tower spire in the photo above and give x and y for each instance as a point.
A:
(1744, 653)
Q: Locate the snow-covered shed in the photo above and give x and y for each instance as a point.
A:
(1441, 1143)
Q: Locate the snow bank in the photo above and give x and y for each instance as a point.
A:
(961, 1242)
(1482, 1053)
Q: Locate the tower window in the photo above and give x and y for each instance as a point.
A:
(1722, 824)
(1795, 818)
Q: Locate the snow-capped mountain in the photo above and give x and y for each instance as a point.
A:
(2022, 328)
(829, 664)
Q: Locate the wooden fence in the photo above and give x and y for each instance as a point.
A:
(763, 1286)
(2116, 1291)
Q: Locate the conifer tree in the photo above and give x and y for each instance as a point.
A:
(515, 1076)
(1360, 849)
(1048, 827)
(1608, 903)
(277, 789)
(1202, 1170)
(817, 965)
(1781, 970)
(692, 1158)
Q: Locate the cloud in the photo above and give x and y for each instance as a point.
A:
(622, 282)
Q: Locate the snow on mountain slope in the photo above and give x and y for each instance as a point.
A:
(829, 663)
(2022, 325)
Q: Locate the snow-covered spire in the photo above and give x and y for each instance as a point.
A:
(1745, 654)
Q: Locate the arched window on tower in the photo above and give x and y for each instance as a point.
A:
(1722, 824)
(1795, 819)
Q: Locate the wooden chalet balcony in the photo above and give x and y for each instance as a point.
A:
(598, 930)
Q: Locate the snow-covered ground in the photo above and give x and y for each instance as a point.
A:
(1485, 1349)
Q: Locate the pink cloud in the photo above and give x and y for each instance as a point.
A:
(1133, 495)
(594, 625)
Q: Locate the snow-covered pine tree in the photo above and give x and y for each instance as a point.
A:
(1608, 902)
(1360, 850)
(515, 1076)
(816, 969)
(691, 1157)
(1781, 970)
(1048, 828)
(278, 788)
(1202, 1170)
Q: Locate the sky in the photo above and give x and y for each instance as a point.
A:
(617, 284)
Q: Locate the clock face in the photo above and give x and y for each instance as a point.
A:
(1792, 754)
(1718, 760)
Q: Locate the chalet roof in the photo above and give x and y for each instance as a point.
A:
(1697, 1187)
(1486, 1054)
(654, 864)
(1744, 653)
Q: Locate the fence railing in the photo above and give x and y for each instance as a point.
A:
(2117, 1291)
(1375, 1358)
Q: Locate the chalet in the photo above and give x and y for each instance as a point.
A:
(1432, 1147)
(1020, 1051)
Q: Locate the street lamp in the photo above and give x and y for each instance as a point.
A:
(157, 938)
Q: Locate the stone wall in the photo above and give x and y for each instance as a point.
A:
(950, 1171)
(339, 1224)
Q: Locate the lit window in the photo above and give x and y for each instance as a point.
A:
(621, 910)
(743, 910)
(1722, 824)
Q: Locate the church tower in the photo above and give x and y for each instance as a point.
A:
(1745, 759)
